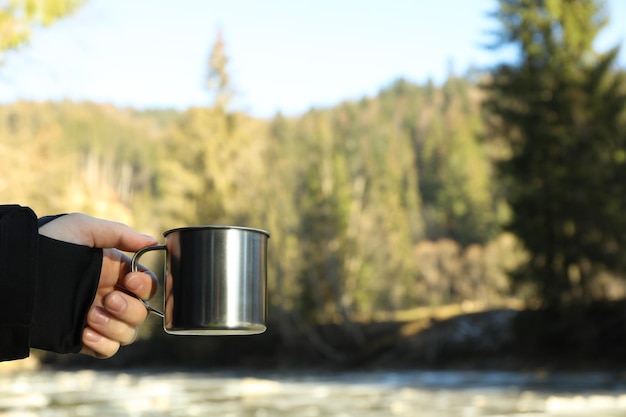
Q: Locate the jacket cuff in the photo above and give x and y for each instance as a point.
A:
(66, 287)
(18, 273)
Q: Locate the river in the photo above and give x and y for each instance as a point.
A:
(266, 394)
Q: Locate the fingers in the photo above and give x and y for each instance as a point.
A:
(116, 269)
(98, 346)
(125, 308)
(108, 326)
(118, 310)
(143, 284)
(114, 324)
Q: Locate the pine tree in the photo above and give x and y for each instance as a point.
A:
(218, 79)
(558, 108)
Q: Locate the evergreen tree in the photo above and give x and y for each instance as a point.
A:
(212, 156)
(455, 174)
(559, 110)
(218, 79)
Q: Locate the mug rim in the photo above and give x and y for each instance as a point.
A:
(216, 227)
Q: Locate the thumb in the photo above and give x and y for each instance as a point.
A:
(86, 230)
(108, 234)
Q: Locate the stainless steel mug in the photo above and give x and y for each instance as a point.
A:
(215, 280)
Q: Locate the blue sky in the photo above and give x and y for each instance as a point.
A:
(286, 55)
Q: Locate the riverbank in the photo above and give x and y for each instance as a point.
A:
(578, 338)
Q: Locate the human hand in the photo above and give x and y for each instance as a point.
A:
(114, 316)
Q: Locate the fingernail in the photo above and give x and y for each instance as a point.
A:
(116, 303)
(91, 336)
(99, 317)
(134, 283)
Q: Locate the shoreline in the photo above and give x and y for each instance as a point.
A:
(591, 339)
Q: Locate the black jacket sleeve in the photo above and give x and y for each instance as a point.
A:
(47, 287)
(18, 279)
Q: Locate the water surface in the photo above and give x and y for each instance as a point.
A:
(410, 393)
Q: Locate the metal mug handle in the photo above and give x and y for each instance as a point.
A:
(133, 268)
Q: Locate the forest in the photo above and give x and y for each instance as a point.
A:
(498, 190)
